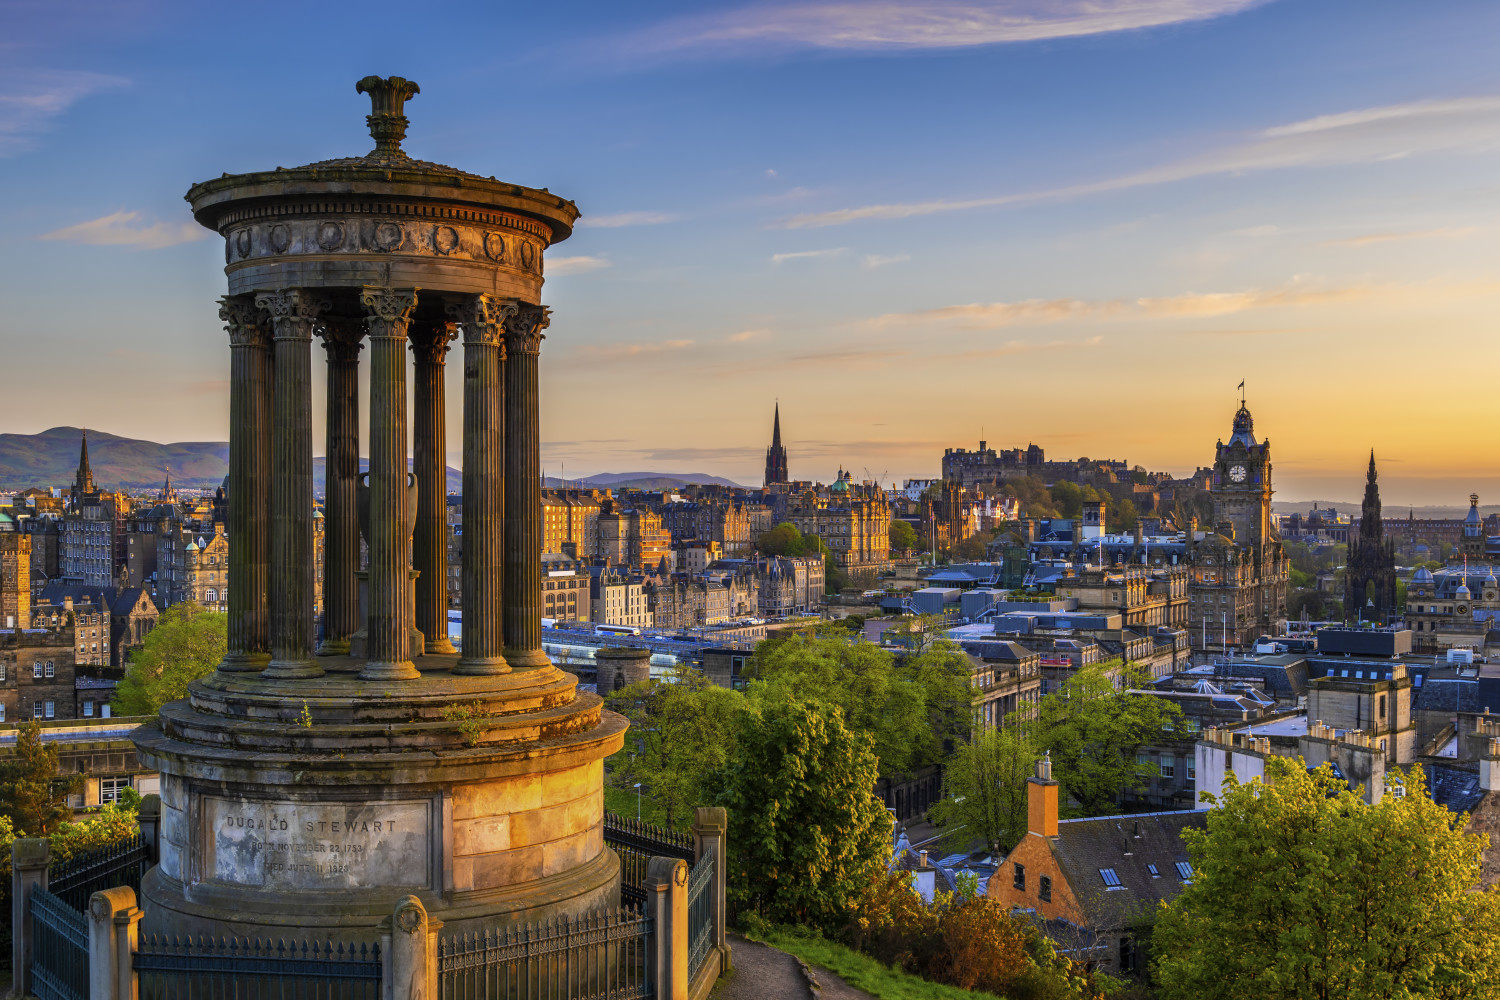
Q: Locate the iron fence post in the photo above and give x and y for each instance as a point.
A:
(413, 952)
(149, 817)
(105, 906)
(29, 857)
(666, 894)
(711, 829)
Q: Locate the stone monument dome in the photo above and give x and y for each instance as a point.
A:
(338, 762)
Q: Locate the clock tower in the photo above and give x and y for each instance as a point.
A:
(1242, 483)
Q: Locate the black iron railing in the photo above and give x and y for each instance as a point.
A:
(700, 910)
(108, 867)
(637, 843)
(59, 948)
(205, 968)
(608, 956)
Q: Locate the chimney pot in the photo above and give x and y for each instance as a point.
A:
(922, 859)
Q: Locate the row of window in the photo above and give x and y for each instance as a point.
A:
(1111, 878)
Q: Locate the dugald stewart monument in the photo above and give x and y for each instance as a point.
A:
(308, 786)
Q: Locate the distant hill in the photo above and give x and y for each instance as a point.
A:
(643, 480)
(51, 459)
(1351, 508)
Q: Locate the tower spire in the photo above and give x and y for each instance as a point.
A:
(83, 480)
(776, 471)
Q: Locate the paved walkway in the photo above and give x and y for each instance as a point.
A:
(764, 973)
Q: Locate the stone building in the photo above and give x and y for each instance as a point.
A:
(566, 594)
(853, 521)
(1143, 596)
(617, 597)
(1008, 679)
(721, 522)
(15, 575)
(634, 538)
(1095, 884)
(984, 466)
(1370, 578)
(37, 674)
(570, 521)
(118, 619)
(789, 585)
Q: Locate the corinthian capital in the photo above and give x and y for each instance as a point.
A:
(293, 311)
(483, 318)
(342, 338)
(523, 330)
(388, 310)
(430, 339)
(246, 324)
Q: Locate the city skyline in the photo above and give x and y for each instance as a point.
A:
(1000, 221)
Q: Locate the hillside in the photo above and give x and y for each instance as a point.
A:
(642, 480)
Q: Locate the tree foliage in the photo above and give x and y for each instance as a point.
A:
(985, 788)
(1092, 730)
(904, 537)
(32, 795)
(906, 707)
(187, 643)
(681, 730)
(1301, 890)
(806, 831)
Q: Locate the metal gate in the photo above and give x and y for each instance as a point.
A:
(59, 948)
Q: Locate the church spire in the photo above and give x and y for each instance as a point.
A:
(83, 481)
(776, 471)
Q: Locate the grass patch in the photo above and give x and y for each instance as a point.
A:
(858, 969)
(621, 802)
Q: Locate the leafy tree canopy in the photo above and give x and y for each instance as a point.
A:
(985, 788)
(1301, 890)
(32, 795)
(904, 537)
(806, 831)
(1092, 728)
(187, 643)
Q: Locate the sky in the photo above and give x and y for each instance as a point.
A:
(1078, 223)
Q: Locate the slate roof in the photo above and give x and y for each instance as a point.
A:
(1282, 680)
(1085, 846)
(998, 649)
(1448, 693)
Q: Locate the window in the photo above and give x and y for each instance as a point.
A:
(1153, 871)
(1044, 888)
(103, 711)
(88, 710)
(1020, 876)
(1381, 711)
(36, 669)
(50, 671)
(3, 668)
(36, 710)
(1111, 880)
(1168, 766)
(51, 710)
(1192, 769)
(1185, 870)
(109, 789)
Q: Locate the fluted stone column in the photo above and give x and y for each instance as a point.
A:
(342, 341)
(249, 482)
(481, 575)
(294, 312)
(523, 489)
(429, 344)
(390, 617)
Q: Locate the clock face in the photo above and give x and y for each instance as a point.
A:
(1237, 473)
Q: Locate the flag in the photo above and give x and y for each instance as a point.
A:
(1242, 385)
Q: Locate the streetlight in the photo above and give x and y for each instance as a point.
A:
(637, 801)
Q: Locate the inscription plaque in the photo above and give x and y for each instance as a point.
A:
(304, 845)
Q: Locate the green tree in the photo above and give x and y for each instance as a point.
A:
(32, 796)
(972, 548)
(1093, 730)
(1301, 890)
(806, 832)
(187, 643)
(1123, 516)
(682, 729)
(904, 536)
(985, 786)
(1069, 498)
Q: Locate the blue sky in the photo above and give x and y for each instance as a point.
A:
(1079, 224)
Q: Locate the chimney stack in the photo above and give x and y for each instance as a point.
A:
(1488, 764)
(1041, 800)
(922, 858)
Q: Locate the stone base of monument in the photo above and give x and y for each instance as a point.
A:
(310, 814)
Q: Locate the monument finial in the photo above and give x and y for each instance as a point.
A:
(388, 97)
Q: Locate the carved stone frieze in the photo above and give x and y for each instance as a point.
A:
(380, 236)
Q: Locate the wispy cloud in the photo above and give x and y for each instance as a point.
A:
(806, 254)
(620, 219)
(29, 105)
(1393, 132)
(873, 260)
(561, 266)
(746, 335)
(128, 229)
(1196, 305)
(1456, 232)
(625, 352)
(883, 25)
